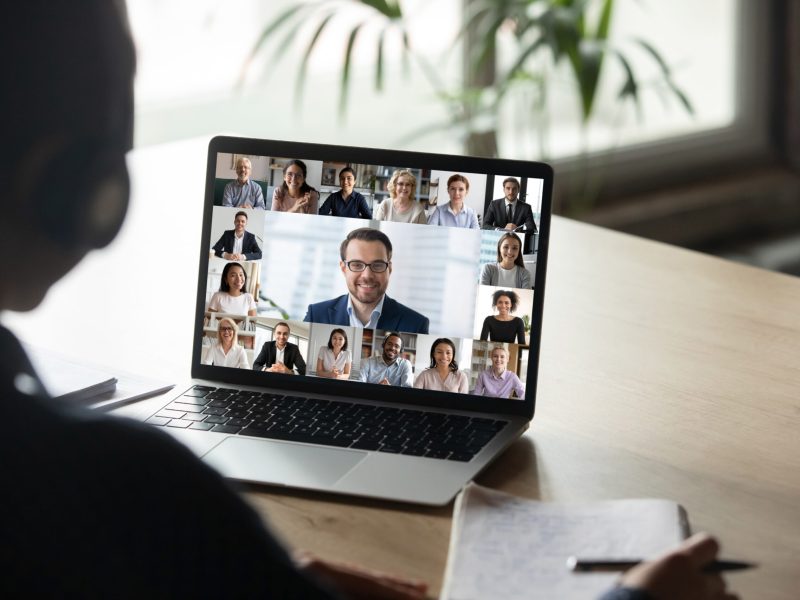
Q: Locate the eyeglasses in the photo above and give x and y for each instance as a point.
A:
(226, 328)
(357, 266)
(293, 175)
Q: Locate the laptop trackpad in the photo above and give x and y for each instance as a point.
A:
(282, 462)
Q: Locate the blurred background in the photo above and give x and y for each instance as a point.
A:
(676, 121)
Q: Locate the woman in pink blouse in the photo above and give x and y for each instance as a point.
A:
(294, 194)
(443, 374)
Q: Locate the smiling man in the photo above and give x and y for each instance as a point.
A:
(243, 192)
(389, 368)
(510, 213)
(238, 243)
(346, 202)
(366, 263)
(280, 355)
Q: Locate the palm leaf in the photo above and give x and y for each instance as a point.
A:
(301, 73)
(346, 65)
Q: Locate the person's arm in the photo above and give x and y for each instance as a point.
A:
(227, 195)
(321, 372)
(325, 209)
(485, 329)
(299, 362)
(253, 251)
(209, 359)
(434, 218)
(363, 207)
(678, 574)
(259, 201)
(346, 372)
(261, 359)
(520, 331)
(213, 304)
(363, 373)
(479, 391)
(277, 200)
(219, 247)
(406, 375)
(486, 274)
(489, 218)
(530, 224)
(524, 278)
(313, 202)
(419, 383)
(473, 219)
(463, 384)
(518, 388)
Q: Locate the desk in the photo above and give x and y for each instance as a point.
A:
(664, 373)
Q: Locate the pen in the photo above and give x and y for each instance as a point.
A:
(583, 565)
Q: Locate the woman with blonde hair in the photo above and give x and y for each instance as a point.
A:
(225, 351)
(400, 206)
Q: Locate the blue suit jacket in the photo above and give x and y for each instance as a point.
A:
(250, 247)
(395, 316)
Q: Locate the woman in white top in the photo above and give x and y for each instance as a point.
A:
(231, 297)
(443, 374)
(334, 361)
(509, 271)
(400, 206)
(225, 351)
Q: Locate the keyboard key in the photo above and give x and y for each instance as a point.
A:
(216, 420)
(161, 421)
(191, 408)
(193, 417)
(460, 456)
(437, 453)
(366, 445)
(239, 422)
(226, 429)
(191, 400)
(201, 426)
(170, 414)
(179, 423)
(215, 411)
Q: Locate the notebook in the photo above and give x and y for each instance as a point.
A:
(366, 320)
(510, 548)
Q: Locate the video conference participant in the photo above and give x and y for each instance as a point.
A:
(346, 202)
(443, 374)
(225, 351)
(400, 206)
(294, 195)
(504, 326)
(509, 212)
(497, 381)
(238, 243)
(509, 270)
(243, 192)
(335, 360)
(454, 213)
(389, 368)
(232, 297)
(366, 263)
(280, 355)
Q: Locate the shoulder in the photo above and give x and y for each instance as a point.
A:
(392, 305)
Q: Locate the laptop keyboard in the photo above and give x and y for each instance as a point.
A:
(329, 423)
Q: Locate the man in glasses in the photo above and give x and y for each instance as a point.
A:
(366, 263)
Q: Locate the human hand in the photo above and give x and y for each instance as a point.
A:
(384, 381)
(247, 205)
(357, 583)
(510, 226)
(278, 367)
(679, 574)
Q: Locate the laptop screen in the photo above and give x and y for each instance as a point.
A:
(386, 274)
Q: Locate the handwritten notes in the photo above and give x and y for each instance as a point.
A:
(506, 548)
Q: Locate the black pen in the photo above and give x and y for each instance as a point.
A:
(584, 565)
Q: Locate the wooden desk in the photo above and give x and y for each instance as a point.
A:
(663, 373)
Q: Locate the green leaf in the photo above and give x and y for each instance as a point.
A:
(666, 71)
(351, 40)
(379, 62)
(389, 10)
(631, 87)
(301, 73)
(605, 20)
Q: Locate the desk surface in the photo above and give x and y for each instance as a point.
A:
(664, 373)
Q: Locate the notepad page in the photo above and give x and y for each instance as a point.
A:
(507, 548)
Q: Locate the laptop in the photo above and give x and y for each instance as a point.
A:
(366, 321)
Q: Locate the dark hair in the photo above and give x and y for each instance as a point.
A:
(457, 177)
(330, 338)
(223, 286)
(347, 170)
(279, 323)
(511, 236)
(510, 294)
(393, 334)
(298, 163)
(449, 342)
(366, 234)
(510, 180)
(242, 213)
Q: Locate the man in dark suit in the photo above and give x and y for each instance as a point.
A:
(366, 263)
(509, 212)
(280, 355)
(236, 243)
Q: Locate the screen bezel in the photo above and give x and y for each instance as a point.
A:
(356, 389)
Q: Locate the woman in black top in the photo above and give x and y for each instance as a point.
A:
(504, 327)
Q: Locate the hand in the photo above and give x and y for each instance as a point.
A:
(357, 583)
(335, 372)
(384, 381)
(679, 573)
(278, 367)
(510, 226)
(247, 205)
